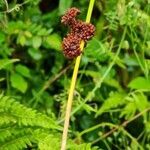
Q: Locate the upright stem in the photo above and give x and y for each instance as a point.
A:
(73, 82)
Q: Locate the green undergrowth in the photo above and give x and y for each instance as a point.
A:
(111, 108)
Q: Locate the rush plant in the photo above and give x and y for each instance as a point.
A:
(75, 73)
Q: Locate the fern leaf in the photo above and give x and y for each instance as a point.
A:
(20, 126)
(12, 111)
(136, 102)
(50, 142)
(83, 146)
(17, 142)
(113, 101)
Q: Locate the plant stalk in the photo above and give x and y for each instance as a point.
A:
(73, 82)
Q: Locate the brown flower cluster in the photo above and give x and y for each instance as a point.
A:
(79, 31)
(70, 16)
(71, 46)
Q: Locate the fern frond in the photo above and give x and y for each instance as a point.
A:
(83, 146)
(50, 142)
(136, 101)
(12, 111)
(23, 128)
(20, 126)
(113, 101)
(15, 138)
(20, 142)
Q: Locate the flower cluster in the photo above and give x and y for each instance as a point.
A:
(70, 16)
(71, 46)
(79, 31)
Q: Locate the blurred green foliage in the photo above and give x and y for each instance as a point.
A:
(111, 107)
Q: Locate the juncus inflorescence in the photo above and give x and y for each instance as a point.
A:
(79, 31)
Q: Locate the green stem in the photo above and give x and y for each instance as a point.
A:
(96, 127)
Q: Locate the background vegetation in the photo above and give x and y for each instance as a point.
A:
(111, 107)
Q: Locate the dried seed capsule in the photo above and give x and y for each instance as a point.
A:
(84, 30)
(69, 16)
(88, 31)
(71, 46)
(79, 31)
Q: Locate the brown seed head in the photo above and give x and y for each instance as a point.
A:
(84, 30)
(69, 16)
(71, 46)
(79, 31)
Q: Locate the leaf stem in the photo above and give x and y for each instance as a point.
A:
(73, 82)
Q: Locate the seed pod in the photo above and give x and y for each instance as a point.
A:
(71, 46)
(84, 30)
(80, 31)
(69, 16)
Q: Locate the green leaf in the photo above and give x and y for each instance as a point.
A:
(130, 60)
(97, 75)
(28, 34)
(112, 82)
(64, 5)
(2, 37)
(136, 101)
(35, 54)
(23, 70)
(113, 101)
(94, 74)
(2, 79)
(95, 49)
(42, 32)
(54, 41)
(129, 110)
(125, 44)
(118, 60)
(141, 101)
(88, 108)
(5, 62)
(82, 146)
(21, 40)
(140, 83)
(49, 142)
(18, 82)
(36, 41)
